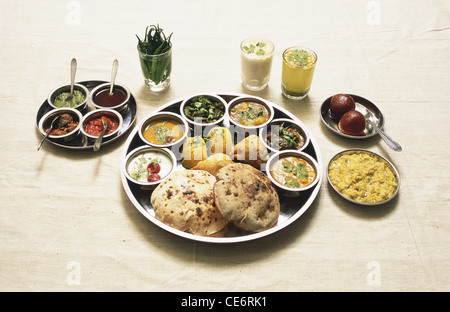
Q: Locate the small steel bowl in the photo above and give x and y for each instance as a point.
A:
(352, 151)
(291, 191)
(97, 113)
(47, 118)
(241, 99)
(274, 126)
(169, 165)
(163, 116)
(106, 86)
(66, 88)
(198, 122)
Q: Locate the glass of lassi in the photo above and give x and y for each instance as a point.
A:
(297, 72)
(256, 63)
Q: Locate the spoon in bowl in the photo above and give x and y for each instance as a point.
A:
(49, 130)
(98, 141)
(389, 141)
(113, 75)
(73, 70)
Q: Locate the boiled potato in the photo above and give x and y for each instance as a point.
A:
(220, 140)
(251, 150)
(194, 151)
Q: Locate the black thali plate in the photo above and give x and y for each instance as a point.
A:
(81, 142)
(291, 207)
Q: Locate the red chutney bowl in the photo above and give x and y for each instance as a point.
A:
(92, 123)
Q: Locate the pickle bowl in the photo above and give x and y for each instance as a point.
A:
(100, 96)
(52, 97)
(46, 120)
(91, 123)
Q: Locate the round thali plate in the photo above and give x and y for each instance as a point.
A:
(291, 207)
(81, 142)
(366, 107)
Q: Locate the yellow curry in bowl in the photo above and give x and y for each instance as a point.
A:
(162, 132)
(363, 177)
(249, 113)
(293, 172)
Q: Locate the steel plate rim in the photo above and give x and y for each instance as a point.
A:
(221, 240)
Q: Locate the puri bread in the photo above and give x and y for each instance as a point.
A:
(246, 197)
(213, 163)
(185, 201)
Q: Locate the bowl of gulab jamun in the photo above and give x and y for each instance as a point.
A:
(345, 114)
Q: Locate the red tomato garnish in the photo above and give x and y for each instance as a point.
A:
(153, 177)
(153, 168)
(170, 139)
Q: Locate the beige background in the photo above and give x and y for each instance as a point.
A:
(66, 223)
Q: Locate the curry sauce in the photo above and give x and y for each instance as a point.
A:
(163, 132)
(249, 113)
(293, 172)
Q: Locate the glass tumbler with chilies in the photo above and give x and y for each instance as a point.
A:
(155, 56)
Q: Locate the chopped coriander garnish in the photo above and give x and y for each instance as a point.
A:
(250, 113)
(162, 133)
(299, 171)
(291, 183)
(255, 48)
(294, 172)
(285, 138)
(299, 57)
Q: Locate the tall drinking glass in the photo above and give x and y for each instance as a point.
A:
(256, 63)
(156, 69)
(297, 72)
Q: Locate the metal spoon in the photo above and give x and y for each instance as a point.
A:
(98, 141)
(389, 141)
(113, 75)
(48, 132)
(73, 70)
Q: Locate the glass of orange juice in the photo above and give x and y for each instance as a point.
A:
(297, 72)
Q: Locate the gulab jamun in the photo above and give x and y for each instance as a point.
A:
(340, 104)
(352, 123)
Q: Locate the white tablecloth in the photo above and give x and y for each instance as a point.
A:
(66, 223)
